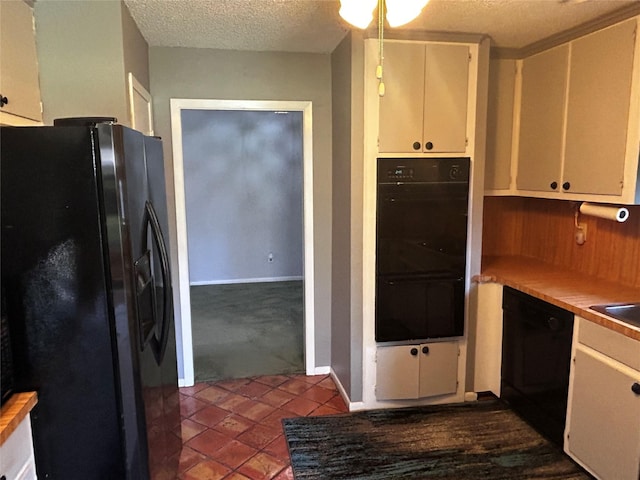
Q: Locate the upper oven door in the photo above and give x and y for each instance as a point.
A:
(422, 228)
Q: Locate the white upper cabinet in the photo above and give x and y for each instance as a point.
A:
(446, 83)
(577, 120)
(598, 110)
(140, 106)
(502, 79)
(544, 86)
(19, 85)
(424, 109)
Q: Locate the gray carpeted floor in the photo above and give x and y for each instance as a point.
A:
(243, 330)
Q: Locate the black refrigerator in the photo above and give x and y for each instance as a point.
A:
(85, 273)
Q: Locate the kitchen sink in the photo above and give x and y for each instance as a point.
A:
(625, 312)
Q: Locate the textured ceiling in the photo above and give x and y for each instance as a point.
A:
(315, 26)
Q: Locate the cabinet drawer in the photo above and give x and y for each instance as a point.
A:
(613, 344)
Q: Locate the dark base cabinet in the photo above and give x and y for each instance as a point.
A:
(536, 354)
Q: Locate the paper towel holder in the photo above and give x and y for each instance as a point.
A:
(607, 212)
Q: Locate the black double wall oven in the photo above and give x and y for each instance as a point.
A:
(421, 234)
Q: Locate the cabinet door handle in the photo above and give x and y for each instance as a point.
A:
(635, 388)
(554, 185)
(3, 102)
(416, 145)
(425, 350)
(566, 185)
(428, 145)
(414, 351)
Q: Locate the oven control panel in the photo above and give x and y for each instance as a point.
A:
(455, 172)
(419, 170)
(400, 173)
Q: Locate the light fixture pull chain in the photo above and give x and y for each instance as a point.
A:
(379, 70)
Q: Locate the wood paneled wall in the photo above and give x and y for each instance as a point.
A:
(544, 229)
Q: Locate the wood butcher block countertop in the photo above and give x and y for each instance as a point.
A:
(564, 288)
(14, 411)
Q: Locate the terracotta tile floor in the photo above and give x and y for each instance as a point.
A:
(232, 429)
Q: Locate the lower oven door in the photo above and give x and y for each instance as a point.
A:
(418, 307)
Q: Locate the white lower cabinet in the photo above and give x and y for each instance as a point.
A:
(603, 419)
(415, 371)
(16, 454)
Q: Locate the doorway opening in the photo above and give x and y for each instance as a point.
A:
(243, 183)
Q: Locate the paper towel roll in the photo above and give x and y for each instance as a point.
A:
(618, 214)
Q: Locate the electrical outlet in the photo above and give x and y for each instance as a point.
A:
(581, 233)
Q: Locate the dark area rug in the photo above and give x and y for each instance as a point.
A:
(480, 440)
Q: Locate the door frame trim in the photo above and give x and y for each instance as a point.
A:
(185, 364)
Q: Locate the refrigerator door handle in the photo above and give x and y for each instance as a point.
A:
(159, 342)
(145, 299)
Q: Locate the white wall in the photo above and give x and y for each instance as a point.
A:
(346, 310)
(85, 51)
(243, 191)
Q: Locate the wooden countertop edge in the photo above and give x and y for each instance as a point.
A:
(14, 411)
(494, 275)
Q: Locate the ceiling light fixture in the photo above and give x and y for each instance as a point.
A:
(400, 12)
(359, 13)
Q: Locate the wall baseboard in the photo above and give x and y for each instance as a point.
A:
(352, 406)
(245, 280)
(183, 383)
